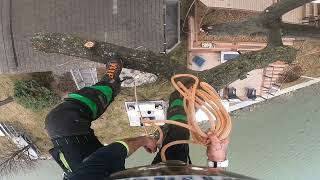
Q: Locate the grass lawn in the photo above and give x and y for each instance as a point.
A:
(179, 54)
(309, 57)
(14, 113)
(112, 125)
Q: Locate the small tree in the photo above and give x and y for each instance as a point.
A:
(293, 73)
(30, 94)
(14, 159)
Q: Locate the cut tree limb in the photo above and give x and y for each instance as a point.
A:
(146, 61)
(162, 65)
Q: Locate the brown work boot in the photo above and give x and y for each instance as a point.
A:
(113, 70)
(112, 73)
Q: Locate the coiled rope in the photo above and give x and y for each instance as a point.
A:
(201, 96)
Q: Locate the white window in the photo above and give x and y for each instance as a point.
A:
(225, 56)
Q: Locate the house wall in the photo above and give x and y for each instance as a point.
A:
(294, 16)
(253, 5)
(254, 80)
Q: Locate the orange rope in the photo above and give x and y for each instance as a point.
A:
(199, 96)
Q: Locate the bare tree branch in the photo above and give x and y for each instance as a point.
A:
(14, 159)
(6, 101)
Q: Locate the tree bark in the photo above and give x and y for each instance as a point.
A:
(6, 101)
(260, 25)
(274, 34)
(146, 61)
(226, 73)
(162, 65)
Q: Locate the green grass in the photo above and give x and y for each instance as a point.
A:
(114, 123)
(32, 122)
(179, 54)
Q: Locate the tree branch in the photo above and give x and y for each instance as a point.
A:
(261, 24)
(6, 101)
(14, 159)
(226, 73)
(295, 30)
(147, 61)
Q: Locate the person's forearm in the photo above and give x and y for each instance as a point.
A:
(134, 144)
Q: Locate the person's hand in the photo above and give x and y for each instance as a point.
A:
(150, 144)
(217, 149)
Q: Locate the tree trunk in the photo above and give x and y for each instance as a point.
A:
(260, 25)
(162, 65)
(274, 35)
(6, 101)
